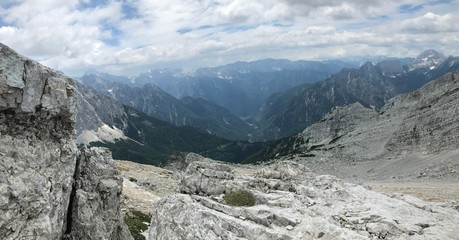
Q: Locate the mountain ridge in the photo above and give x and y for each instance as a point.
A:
(371, 85)
(156, 103)
(135, 136)
(416, 127)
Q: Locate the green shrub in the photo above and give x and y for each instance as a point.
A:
(135, 221)
(240, 198)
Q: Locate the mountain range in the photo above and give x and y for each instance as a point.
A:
(241, 87)
(153, 101)
(371, 85)
(133, 135)
(413, 135)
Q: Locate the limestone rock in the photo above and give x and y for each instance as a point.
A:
(38, 159)
(37, 150)
(291, 203)
(95, 206)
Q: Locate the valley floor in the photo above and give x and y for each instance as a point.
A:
(143, 185)
(433, 178)
(435, 191)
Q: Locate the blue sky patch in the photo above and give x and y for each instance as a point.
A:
(184, 30)
(203, 27)
(92, 4)
(116, 35)
(278, 23)
(231, 28)
(409, 8)
(129, 11)
(436, 2)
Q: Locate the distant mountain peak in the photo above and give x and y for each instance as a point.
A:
(429, 59)
(367, 64)
(368, 67)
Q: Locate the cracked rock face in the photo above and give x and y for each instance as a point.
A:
(95, 205)
(291, 203)
(38, 153)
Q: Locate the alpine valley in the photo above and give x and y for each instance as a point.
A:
(286, 96)
(249, 150)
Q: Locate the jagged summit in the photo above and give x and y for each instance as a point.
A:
(368, 67)
(429, 59)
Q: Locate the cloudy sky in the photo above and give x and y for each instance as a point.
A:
(129, 36)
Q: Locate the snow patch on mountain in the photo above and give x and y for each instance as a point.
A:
(429, 59)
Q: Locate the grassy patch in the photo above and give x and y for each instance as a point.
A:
(135, 221)
(240, 198)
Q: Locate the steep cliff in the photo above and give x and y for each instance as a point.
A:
(38, 155)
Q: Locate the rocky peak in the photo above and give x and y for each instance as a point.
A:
(367, 68)
(429, 59)
(390, 67)
(39, 184)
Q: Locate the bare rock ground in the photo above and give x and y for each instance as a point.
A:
(292, 203)
(144, 185)
(433, 178)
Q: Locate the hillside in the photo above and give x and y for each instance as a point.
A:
(414, 135)
(156, 103)
(135, 136)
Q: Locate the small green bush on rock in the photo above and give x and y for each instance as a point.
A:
(135, 221)
(240, 198)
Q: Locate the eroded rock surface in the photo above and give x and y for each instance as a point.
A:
(292, 203)
(38, 154)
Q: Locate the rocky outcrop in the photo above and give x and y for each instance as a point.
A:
(95, 203)
(38, 152)
(291, 203)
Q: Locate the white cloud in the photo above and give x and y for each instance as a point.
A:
(67, 36)
(432, 23)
